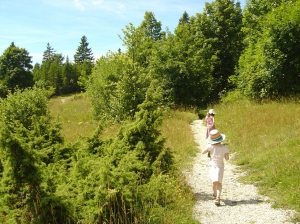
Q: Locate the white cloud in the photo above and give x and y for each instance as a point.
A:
(78, 4)
(97, 2)
(121, 6)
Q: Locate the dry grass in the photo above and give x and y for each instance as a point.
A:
(179, 137)
(74, 112)
(266, 139)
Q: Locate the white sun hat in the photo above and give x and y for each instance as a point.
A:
(211, 111)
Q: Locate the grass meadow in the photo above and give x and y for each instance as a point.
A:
(263, 137)
(74, 113)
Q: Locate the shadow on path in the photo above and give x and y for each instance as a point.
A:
(209, 197)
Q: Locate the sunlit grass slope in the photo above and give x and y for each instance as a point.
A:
(74, 112)
(266, 139)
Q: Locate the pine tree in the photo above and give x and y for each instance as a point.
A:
(184, 19)
(83, 53)
(48, 53)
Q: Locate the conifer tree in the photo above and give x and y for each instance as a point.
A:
(84, 62)
(69, 78)
(48, 53)
(29, 142)
(37, 72)
(184, 19)
(119, 170)
(83, 53)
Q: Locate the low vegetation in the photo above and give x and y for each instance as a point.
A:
(125, 174)
(131, 171)
(175, 127)
(115, 154)
(264, 138)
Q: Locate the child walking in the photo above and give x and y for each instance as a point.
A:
(218, 152)
(210, 124)
(210, 121)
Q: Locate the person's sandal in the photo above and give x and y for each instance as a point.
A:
(214, 196)
(217, 201)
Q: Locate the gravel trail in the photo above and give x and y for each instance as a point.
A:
(240, 203)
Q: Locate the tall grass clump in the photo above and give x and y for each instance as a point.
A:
(176, 128)
(179, 138)
(265, 140)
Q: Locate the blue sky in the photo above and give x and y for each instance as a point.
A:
(31, 24)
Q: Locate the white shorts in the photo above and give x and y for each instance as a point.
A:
(216, 173)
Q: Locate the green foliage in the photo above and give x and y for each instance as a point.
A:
(83, 53)
(255, 12)
(116, 87)
(15, 65)
(269, 67)
(62, 76)
(83, 72)
(233, 97)
(55, 74)
(179, 64)
(29, 142)
(165, 198)
(84, 63)
(128, 177)
(151, 27)
(140, 41)
(48, 53)
(265, 138)
(69, 79)
(109, 180)
(221, 25)
(194, 66)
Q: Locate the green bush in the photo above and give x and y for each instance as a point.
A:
(29, 142)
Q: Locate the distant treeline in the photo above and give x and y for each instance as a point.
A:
(252, 50)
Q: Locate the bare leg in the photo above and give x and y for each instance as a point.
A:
(219, 189)
(217, 186)
(214, 187)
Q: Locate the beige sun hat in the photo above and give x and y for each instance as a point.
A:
(215, 137)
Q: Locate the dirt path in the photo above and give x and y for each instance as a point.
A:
(240, 203)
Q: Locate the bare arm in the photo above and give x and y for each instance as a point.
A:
(226, 156)
(205, 151)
